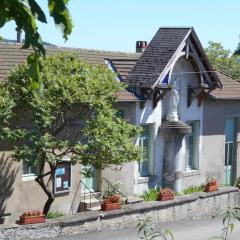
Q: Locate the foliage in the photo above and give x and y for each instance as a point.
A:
(147, 230)
(32, 213)
(54, 214)
(150, 195)
(112, 189)
(230, 216)
(26, 13)
(193, 189)
(222, 59)
(71, 116)
(237, 183)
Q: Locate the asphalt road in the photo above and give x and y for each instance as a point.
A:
(194, 230)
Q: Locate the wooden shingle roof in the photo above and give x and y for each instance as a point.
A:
(156, 56)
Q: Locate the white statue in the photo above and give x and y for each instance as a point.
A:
(172, 114)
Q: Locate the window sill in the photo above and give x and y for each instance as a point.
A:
(141, 180)
(28, 178)
(190, 173)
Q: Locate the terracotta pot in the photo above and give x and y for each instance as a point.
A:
(31, 219)
(211, 188)
(114, 199)
(165, 197)
(108, 206)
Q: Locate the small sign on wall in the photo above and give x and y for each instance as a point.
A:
(62, 179)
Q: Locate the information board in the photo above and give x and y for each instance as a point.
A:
(62, 179)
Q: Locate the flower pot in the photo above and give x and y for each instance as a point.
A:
(211, 188)
(108, 206)
(165, 197)
(114, 199)
(31, 219)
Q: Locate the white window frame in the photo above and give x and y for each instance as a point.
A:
(150, 151)
(29, 176)
(196, 140)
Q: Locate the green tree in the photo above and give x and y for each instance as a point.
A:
(26, 13)
(222, 59)
(72, 115)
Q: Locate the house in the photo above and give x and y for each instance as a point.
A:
(189, 113)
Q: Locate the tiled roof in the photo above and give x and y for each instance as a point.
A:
(230, 89)
(156, 56)
(125, 96)
(11, 55)
(124, 66)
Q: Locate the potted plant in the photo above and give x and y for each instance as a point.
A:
(165, 194)
(211, 185)
(111, 199)
(31, 217)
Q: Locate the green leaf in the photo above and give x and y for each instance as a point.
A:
(37, 11)
(58, 10)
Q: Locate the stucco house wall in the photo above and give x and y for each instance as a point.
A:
(124, 173)
(18, 193)
(213, 151)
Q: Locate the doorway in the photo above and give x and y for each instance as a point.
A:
(89, 181)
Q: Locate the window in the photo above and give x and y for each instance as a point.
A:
(144, 143)
(28, 170)
(230, 134)
(120, 113)
(192, 146)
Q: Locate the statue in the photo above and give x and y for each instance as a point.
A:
(172, 114)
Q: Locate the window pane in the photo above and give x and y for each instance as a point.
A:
(191, 141)
(144, 144)
(27, 170)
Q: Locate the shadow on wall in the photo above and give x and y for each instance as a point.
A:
(7, 178)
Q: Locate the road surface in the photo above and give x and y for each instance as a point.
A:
(194, 230)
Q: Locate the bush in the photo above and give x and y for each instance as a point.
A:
(150, 195)
(54, 214)
(193, 189)
(237, 183)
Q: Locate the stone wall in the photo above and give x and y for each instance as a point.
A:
(191, 207)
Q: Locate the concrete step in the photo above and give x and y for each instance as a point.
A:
(133, 199)
(98, 208)
(95, 195)
(93, 204)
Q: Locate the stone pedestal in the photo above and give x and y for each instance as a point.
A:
(173, 132)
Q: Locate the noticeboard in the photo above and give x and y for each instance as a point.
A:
(62, 178)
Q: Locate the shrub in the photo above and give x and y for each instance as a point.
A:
(237, 183)
(150, 195)
(54, 214)
(193, 189)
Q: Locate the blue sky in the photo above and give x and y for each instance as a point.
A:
(117, 24)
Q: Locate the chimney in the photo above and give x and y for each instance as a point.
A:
(19, 35)
(140, 46)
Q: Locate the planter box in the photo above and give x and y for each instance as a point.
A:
(110, 206)
(211, 188)
(31, 220)
(165, 197)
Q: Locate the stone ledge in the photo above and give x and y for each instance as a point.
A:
(131, 209)
(220, 191)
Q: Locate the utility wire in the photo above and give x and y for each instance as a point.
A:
(155, 74)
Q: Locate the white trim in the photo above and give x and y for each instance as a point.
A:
(28, 177)
(197, 60)
(167, 67)
(179, 55)
(109, 64)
